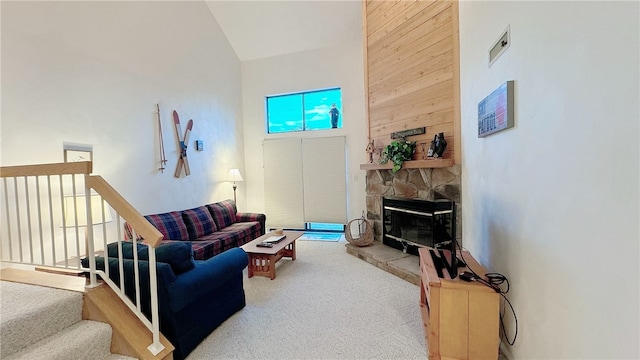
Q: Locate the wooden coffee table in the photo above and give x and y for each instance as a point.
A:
(262, 260)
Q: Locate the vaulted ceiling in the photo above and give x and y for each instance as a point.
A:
(265, 28)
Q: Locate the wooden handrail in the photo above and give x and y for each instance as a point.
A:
(82, 167)
(149, 232)
(97, 184)
(151, 235)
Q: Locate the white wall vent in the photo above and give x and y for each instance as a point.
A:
(500, 46)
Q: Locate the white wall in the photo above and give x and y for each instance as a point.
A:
(553, 202)
(339, 66)
(92, 72)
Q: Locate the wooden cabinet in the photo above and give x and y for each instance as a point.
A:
(461, 319)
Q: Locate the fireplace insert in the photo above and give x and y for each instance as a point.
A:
(412, 223)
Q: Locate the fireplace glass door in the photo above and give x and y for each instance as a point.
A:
(409, 223)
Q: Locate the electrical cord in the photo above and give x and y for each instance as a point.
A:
(495, 281)
(515, 318)
(498, 279)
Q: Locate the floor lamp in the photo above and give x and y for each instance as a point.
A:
(78, 210)
(234, 175)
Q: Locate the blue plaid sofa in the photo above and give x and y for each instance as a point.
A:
(211, 228)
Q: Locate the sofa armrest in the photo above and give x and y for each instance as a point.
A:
(206, 277)
(249, 216)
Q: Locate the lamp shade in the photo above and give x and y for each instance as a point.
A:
(97, 205)
(234, 175)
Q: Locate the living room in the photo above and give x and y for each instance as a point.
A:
(539, 204)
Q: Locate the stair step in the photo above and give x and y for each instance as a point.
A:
(73, 283)
(34, 318)
(87, 339)
(26, 315)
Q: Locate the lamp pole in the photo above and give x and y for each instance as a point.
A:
(234, 192)
(234, 175)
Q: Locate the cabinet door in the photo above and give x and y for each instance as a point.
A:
(454, 323)
(484, 337)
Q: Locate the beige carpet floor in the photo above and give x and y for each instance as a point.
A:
(326, 304)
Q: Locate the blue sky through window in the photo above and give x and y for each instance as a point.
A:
(303, 111)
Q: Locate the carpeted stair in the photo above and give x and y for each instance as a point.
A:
(44, 323)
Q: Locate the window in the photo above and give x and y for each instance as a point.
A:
(328, 227)
(310, 110)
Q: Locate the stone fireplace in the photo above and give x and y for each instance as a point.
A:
(414, 184)
(422, 184)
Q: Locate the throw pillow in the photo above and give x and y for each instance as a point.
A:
(179, 254)
(128, 232)
(223, 213)
(199, 222)
(170, 225)
(127, 250)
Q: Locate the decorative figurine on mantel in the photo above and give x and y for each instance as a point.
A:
(441, 145)
(370, 150)
(437, 147)
(432, 147)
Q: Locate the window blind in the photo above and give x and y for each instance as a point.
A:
(324, 180)
(305, 181)
(283, 183)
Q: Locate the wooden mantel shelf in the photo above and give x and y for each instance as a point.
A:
(412, 164)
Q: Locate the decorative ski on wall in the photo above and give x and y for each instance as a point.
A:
(163, 158)
(182, 142)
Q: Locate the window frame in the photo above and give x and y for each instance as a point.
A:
(304, 113)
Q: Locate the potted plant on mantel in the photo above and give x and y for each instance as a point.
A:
(398, 152)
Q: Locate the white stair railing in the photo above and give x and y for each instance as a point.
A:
(45, 210)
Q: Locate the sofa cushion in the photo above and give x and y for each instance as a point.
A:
(244, 231)
(203, 250)
(178, 254)
(223, 213)
(170, 225)
(228, 239)
(199, 222)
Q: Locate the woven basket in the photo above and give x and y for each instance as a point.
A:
(365, 237)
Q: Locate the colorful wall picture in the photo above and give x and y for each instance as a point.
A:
(495, 112)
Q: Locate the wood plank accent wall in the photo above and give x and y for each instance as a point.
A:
(412, 70)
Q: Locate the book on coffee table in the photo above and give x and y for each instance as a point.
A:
(274, 239)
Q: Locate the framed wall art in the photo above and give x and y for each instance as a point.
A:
(77, 152)
(495, 112)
